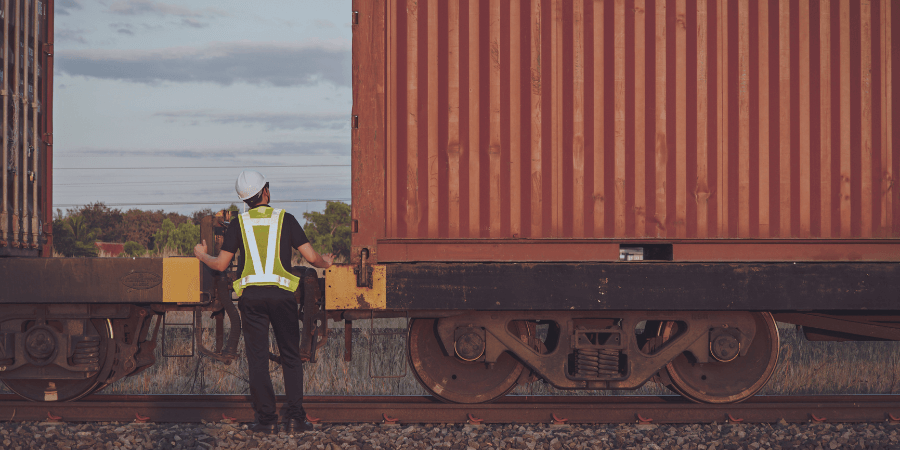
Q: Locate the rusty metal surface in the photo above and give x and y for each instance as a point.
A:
(644, 286)
(416, 410)
(26, 94)
(848, 327)
(538, 250)
(367, 133)
(624, 119)
(81, 280)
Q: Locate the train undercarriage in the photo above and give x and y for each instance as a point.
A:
(80, 336)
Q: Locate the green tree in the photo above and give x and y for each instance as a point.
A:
(134, 249)
(197, 216)
(75, 237)
(141, 226)
(182, 238)
(106, 220)
(329, 231)
(63, 241)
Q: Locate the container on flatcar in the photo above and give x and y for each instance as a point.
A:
(550, 130)
(26, 99)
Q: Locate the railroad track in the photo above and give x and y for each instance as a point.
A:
(513, 409)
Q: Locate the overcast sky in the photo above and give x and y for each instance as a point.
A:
(176, 97)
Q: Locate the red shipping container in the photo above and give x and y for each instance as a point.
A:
(551, 130)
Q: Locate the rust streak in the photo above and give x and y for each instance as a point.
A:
(556, 107)
(412, 120)
(394, 124)
(578, 138)
(619, 105)
(825, 102)
(743, 118)
(453, 146)
(887, 178)
(784, 74)
(765, 116)
(536, 118)
(515, 127)
(494, 142)
(433, 186)
(702, 194)
(680, 118)
(661, 150)
(639, 179)
(866, 97)
(599, 108)
(844, 37)
(722, 123)
(805, 186)
(475, 120)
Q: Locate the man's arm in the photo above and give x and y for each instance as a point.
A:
(314, 258)
(219, 263)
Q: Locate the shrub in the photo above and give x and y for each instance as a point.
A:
(133, 248)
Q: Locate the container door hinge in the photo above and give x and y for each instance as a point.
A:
(363, 271)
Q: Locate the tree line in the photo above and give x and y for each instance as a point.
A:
(76, 230)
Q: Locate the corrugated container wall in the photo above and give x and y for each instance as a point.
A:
(26, 67)
(557, 130)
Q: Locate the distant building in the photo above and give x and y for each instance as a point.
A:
(110, 248)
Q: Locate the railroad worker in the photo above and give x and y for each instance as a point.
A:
(266, 291)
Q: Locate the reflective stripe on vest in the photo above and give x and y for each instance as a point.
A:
(264, 275)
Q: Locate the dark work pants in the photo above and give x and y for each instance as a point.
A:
(281, 312)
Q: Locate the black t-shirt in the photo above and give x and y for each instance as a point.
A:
(292, 236)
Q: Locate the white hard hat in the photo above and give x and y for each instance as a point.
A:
(249, 183)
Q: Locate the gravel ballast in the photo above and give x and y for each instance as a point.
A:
(49, 435)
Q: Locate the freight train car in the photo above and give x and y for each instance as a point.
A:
(594, 193)
(26, 102)
(597, 192)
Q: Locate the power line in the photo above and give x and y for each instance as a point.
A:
(227, 202)
(169, 183)
(198, 167)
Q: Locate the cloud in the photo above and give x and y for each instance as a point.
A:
(150, 7)
(65, 7)
(335, 152)
(278, 64)
(193, 23)
(123, 28)
(271, 121)
(70, 35)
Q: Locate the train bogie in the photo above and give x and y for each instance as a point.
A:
(708, 356)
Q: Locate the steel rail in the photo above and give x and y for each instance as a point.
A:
(513, 409)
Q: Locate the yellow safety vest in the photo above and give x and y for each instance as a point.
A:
(261, 230)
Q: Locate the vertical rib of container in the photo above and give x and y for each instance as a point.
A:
(661, 119)
(15, 127)
(46, 112)
(34, 147)
(5, 228)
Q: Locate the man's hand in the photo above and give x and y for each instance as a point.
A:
(219, 263)
(329, 259)
(200, 250)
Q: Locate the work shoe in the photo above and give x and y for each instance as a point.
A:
(264, 428)
(293, 426)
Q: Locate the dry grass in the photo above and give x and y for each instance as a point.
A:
(804, 368)
(330, 376)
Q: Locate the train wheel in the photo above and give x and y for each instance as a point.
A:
(728, 382)
(67, 389)
(452, 379)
